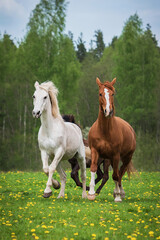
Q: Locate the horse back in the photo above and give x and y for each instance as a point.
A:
(73, 136)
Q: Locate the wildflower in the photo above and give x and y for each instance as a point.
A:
(93, 235)
(43, 226)
(33, 230)
(76, 234)
(151, 233)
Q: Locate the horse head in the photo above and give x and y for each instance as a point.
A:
(106, 99)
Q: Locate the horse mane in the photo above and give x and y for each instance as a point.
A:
(109, 85)
(53, 93)
(69, 118)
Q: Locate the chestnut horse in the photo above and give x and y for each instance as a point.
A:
(75, 166)
(111, 138)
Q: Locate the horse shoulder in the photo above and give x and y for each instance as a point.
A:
(73, 136)
(128, 135)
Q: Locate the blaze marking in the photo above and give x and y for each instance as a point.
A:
(107, 100)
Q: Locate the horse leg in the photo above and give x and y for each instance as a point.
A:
(74, 173)
(99, 175)
(44, 157)
(94, 161)
(122, 171)
(63, 180)
(82, 163)
(106, 164)
(58, 156)
(115, 177)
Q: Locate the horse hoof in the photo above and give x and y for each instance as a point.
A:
(118, 199)
(47, 195)
(60, 196)
(91, 197)
(56, 186)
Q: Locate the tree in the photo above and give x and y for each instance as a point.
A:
(81, 50)
(100, 46)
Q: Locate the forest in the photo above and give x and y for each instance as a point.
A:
(47, 53)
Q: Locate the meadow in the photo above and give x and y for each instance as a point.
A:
(25, 214)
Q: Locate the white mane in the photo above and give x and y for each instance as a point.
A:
(49, 87)
(53, 92)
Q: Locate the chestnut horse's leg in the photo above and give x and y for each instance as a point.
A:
(99, 175)
(115, 177)
(94, 161)
(106, 164)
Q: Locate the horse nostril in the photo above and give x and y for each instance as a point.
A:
(38, 113)
(105, 111)
(33, 113)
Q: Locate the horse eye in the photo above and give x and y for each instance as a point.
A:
(100, 94)
(45, 97)
(33, 96)
(113, 94)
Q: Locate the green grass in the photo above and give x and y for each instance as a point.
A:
(25, 214)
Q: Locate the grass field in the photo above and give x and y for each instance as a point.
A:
(25, 214)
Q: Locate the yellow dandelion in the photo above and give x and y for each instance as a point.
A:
(151, 233)
(76, 234)
(33, 230)
(46, 232)
(93, 235)
(91, 224)
(36, 237)
(44, 226)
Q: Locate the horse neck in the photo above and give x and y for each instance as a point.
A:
(105, 125)
(48, 120)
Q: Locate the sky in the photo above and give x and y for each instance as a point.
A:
(84, 16)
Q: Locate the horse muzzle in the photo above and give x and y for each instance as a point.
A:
(110, 114)
(36, 114)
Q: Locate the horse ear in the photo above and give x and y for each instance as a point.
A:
(113, 81)
(36, 85)
(98, 81)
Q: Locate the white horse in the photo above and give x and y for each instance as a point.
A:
(57, 139)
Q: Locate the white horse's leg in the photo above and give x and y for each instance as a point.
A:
(58, 156)
(44, 157)
(82, 163)
(117, 193)
(63, 180)
(92, 184)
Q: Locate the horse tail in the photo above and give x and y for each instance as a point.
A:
(131, 170)
(88, 152)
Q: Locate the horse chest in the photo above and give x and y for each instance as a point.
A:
(49, 144)
(105, 149)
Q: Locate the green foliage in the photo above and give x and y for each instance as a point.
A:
(100, 46)
(25, 214)
(81, 50)
(46, 53)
